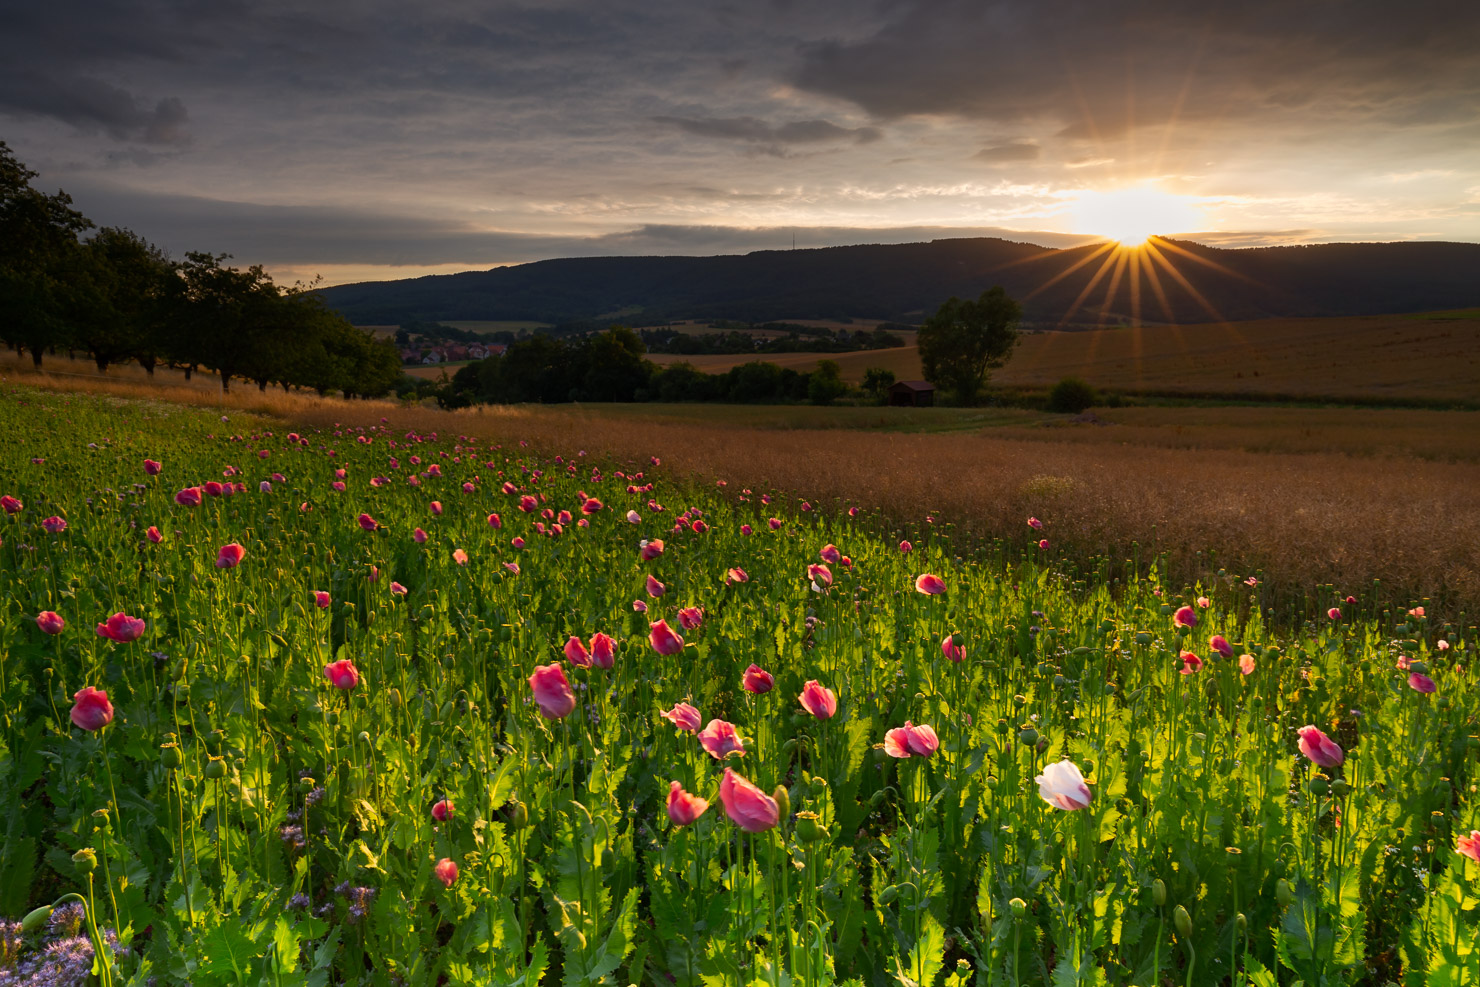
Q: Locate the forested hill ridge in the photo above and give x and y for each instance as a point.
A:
(904, 282)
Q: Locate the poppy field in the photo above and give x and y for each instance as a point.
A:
(293, 705)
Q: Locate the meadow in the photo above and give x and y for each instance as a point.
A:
(357, 701)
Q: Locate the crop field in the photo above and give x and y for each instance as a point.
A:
(1430, 357)
(366, 703)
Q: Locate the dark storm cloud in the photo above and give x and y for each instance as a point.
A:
(93, 105)
(1095, 70)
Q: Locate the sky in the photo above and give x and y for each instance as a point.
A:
(370, 140)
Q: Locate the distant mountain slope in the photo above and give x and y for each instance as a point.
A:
(1081, 285)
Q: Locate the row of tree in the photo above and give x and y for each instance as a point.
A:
(611, 366)
(66, 286)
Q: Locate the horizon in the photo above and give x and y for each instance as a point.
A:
(372, 143)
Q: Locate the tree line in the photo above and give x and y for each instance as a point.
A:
(66, 285)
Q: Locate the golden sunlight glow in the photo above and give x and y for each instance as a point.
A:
(1131, 216)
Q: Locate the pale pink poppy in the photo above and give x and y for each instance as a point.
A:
(747, 806)
(733, 576)
(952, 646)
(930, 585)
(757, 680)
(459, 556)
(576, 653)
(684, 808)
(1320, 748)
(1421, 683)
(1334, 613)
(650, 550)
(820, 575)
(683, 716)
(1035, 524)
(1246, 664)
(397, 589)
(1190, 663)
(664, 639)
(1062, 786)
(830, 554)
(54, 525)
(818, 700)
(445, 871)
(911, 740)
(1220, 644)
(552, 691)
(639, 606)
(655, 589)
(720, 739)
(1185, 617)
(691, 617)
(1469, 845)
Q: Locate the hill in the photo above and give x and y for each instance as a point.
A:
(1099, 284)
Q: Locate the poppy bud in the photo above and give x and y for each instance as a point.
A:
(1087, 766)
(1442, 702)
(809, 830)
(1241, 923)
(394, 695)
(170, 756)
(1182, 921)
(876, 800)
(85, 860)
(215, 769)
(35, 919)
(1019, 907)
(1159, 892)
(331, 718)
(1283, 893)
(518, 815)
(887, 896)
(783, 802)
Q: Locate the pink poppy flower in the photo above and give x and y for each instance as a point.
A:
(230, 556)
(264, 487)
(189, 497)
(911, 740)
(691, 618)
(122, 628)
(821, 702)
(338, 486)
(436, 507)
(1246, 664)
(512, 567)
(54, 525)
(683, 807)
(528, 504)
(733, 576)
(576, 653)
(683, 716)
(397, 589)
(214, 489)
(757, 680)
(1251, 581)
(1320, 748)
(1185, 617)
(1220, 644)
(820, 575)
(321, 599)
(50, 622)
(633, 517)
(1421, 683)
(91, 709)
(342, 674)
(651, 549)
(153, 466)
(930, 585)
(1469, 845)
(906, 548)
(1334, 613)
(746, 529)
(154, 535)
(459, 556)
(747, 806)
(10, 504)
(1190, 663)
(639, 606)
(368, 523)
(1062, 786)
(603, 650)
(419, 536)
(468, 488)
(655, 589)
(721, 740)
(442, 810)
(664, 639)
(445, 871)
(373, 575)
(831, 554)
(591, 505)
(1035, 524)
(552, 691)
(774, 522)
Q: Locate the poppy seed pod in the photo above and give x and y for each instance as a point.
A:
(1182, 921)
(809, 829)
(1340, 788)
(215, 769)
(1019, 907)
(1319, 785)
(1028, 736)
(170, 756)
(85, 860)
(305, 784)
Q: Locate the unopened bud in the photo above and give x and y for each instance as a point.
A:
(1182, 921)
(887, 896)
(519, 815)
(783, 802)
(1283, 893)
(1241, 922)
(35, 919)
(1159, 892)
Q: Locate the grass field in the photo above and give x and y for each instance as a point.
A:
(342, 724)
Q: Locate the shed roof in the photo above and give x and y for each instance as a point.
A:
(914, 385)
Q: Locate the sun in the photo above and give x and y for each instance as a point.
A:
(1133, 215)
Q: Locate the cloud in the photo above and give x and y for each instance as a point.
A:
(93, 105)
(1009, 153)
(758, 131)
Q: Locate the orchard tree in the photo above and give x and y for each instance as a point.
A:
(965, 340)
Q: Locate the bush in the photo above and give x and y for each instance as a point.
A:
(1071, 396)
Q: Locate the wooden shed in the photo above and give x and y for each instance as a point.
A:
(912, 394)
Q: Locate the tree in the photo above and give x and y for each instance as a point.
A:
(116, 302)
(1072, 395)
(877, 381)
(826, 383)
(38, 248)
(964, 340)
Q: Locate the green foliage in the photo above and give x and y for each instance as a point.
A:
(964, 340)
(877, 381)
(942, 869)
(825, 384)
(1072, 396)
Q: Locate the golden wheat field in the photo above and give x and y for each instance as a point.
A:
(1302, 495)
